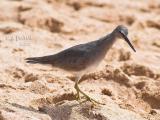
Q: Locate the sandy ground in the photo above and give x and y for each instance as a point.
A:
(127, 82)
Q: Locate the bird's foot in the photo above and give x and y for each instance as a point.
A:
(88, 98)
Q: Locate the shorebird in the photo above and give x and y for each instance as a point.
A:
(82, 58)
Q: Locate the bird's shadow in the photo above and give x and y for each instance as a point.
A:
(66, 110)
(60, 111)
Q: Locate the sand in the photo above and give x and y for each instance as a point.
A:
(127, 82)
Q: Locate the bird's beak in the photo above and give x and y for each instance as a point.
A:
(128, 41)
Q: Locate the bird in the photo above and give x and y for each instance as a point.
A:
(83, 58)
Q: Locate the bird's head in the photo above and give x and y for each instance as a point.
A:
(122, 32)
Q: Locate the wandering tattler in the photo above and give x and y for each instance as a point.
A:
(82, 58)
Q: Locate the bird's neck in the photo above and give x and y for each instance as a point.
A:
(108, 41)
(104, 44)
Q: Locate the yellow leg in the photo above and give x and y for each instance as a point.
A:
(77, 95)
(88, 98)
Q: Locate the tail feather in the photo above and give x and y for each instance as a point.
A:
(40, 60)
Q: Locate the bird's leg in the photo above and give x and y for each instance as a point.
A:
(88, 98)
(78, 97)
(77, 90)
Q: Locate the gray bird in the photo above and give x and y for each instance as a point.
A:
(82, 58)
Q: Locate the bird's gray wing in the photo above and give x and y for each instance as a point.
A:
(73, 59)
(69, 59)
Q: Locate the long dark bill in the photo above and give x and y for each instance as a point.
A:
(127, 40)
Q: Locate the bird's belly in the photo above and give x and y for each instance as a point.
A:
(93, 63)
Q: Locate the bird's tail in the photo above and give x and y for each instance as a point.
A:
(40, 60)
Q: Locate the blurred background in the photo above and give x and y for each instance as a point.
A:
(30, 28)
